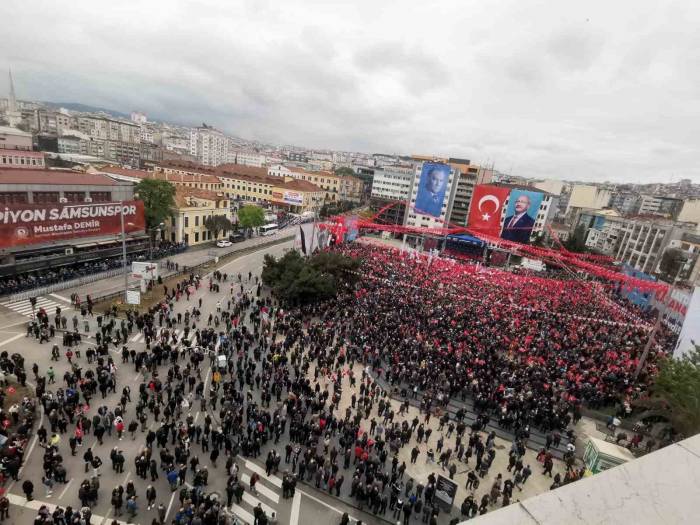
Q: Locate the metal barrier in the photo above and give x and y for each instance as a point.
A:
(87, 279)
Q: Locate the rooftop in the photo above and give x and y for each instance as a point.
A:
(22, 152)
(53, 177)
(7, 130)
(183, 194)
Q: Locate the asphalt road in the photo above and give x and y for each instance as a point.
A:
(308, 505)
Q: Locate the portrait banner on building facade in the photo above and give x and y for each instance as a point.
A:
(26, 224)
(523, 207)
(432, 187)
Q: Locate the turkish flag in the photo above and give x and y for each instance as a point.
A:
(486, 208)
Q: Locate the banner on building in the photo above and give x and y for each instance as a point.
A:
(487, 207)
(432, 188)
(26, 224)
(523, 207)
(293, 197)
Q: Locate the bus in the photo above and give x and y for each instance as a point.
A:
(268, 229)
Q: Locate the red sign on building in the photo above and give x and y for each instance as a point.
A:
(25, 224)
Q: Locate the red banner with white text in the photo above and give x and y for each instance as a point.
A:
(25, 224)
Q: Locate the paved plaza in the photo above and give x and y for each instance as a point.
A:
(308, 505)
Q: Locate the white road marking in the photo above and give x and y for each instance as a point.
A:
(63, 492)
(13, 338)
(296, 508)
(60, 297)
(262, 489)
(253, 502)
(297, 491)
(243, 514)
(21, 501)
(277, 482)
(172, 498)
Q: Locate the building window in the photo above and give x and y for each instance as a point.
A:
(101, 196)
(45, 197)
(196, 236)
(13, 197)
(187, 222)
(74, 196)
(196, 220)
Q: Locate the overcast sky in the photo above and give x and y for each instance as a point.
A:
(595, 90)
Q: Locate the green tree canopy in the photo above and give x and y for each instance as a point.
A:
(158, 198)
(344, 172)
(217, 223)
(297, 280)
(677, 386)
(251, 216)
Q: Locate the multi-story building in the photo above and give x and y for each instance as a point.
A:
(138, 117)
(13, 138)
(33, 186)
(391, 189)
(178, 176)
(417, 219)
(690, 212)
(14, 158)
(637, 241)
(248, 158)
(55, 122)
(659, 205)
(587, 196)
(209, 146)
(625, 202)
(463, 198)
(111, 139)
(192, 209)
(336, 188)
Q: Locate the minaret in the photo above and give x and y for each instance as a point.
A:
(14, 116)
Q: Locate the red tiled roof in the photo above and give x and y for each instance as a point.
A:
(53, 177)
(299, 185)
(182, 193)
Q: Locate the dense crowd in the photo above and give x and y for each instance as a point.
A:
(527, 350)
(30, 280)
(300, 388)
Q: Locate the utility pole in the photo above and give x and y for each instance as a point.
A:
(126, 275)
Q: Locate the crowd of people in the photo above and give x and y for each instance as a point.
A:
(29, 280)
(299, 389)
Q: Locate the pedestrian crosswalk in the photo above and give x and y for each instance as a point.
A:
(179, 332)
(267, 494)
(24, 307)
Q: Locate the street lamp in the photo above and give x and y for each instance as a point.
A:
(126, 274)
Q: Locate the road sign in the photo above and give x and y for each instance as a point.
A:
(133, 297)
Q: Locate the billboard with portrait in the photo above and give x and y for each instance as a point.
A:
(352, 229)
(432, 187)
(521, 214)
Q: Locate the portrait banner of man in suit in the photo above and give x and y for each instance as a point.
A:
(431, 188)
(521, 214)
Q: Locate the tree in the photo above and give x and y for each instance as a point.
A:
(251, 216)
(677, 386)
(344, 172)
(297, 280)
(216, 224)
(577, 241)
(158, 198)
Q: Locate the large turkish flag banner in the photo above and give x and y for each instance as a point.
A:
(486, 208)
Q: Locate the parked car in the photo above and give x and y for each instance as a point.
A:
(236, 237)
(223, 243)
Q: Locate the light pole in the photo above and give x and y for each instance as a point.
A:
(126, 272)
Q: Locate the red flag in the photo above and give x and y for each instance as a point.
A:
(486, 207)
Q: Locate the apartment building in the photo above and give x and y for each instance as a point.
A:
(111, 139)
(209, 146)
(12, 158)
